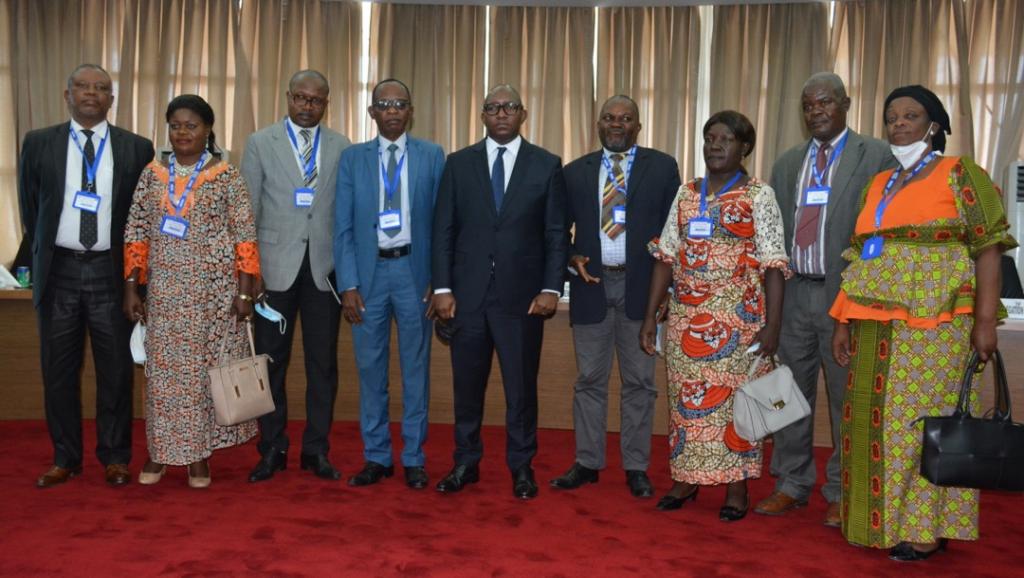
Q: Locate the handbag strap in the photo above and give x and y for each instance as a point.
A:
(232, 326)
(974, 366)
(756, 365)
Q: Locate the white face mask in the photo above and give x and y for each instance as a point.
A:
(137, 343)
(909, 154)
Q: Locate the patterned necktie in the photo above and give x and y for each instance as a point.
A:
(498, 179)
(810, 215)
(88, 230)
(395, 202)
(613, 197)
(307, 154)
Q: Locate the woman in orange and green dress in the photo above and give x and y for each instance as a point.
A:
(921, 292)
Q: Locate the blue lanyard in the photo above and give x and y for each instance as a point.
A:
(831, 158)
(704, 191)
(390, 186)
(91, 168)
(625, 171)
(887, 197)
(188, 187)
(311, 165)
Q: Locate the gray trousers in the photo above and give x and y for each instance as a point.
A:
(806, 346)
(595, 343)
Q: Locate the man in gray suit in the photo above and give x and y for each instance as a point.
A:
(291, 168)
(818, 185)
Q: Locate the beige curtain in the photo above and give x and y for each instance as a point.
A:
(547, 54)
(653, 55)
(761, 55)
(879, 46)
(438, 51)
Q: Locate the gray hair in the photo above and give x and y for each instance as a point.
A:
(308, 73)
(829, 79)
(86, 66)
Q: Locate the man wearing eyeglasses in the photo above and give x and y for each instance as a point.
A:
(500, 249)
(290, 168)
(385, 203)
(619, 198)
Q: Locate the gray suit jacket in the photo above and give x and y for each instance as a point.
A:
(862, 159)
(272, 174)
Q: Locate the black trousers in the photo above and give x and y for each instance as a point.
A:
(321, 316)
(81, 296)
(517, 338)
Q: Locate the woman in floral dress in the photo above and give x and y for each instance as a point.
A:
(722, 252)
(192, 241)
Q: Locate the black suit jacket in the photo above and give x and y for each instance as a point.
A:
(41, 176)
(650, 191)
(526, 243)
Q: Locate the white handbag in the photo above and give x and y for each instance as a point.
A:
(240, 388)
(767, 404)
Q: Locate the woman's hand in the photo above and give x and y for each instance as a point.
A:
(241, 307)
(132, 306)
(841, 344)
(983, 338)
(768, 338)
(649, 336)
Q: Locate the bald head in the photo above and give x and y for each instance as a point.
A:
(310, 78)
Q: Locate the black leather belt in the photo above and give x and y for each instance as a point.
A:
(79, 255)
(812, 278)
(394, 252)
(614, 268)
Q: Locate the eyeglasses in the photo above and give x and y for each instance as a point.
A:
(303, 100)
(510, 108)
(398, 104)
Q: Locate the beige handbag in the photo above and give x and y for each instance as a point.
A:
(767, 404)
(240, 388)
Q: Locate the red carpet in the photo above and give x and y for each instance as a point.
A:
(298, 525)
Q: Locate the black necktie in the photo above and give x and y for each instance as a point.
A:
(498, 178)
(394, 203)
(87, 228)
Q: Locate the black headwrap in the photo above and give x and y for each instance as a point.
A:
(932, 105)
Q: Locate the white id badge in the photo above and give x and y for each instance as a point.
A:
(619, 214)
(304, 197)
(86, 201)
(390, 220)
(816, 196)
(174, 226)
(699, 228)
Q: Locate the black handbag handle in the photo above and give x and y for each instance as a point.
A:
(974, 365)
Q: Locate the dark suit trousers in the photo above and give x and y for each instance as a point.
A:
(517, 339)
(80, 296)
(321, 316)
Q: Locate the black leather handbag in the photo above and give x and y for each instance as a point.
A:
(964, 451)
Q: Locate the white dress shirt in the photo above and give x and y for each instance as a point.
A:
(298, 151)
(404, 236)
(810, 260)
(70, 217)
(508, 159)
(613, 251)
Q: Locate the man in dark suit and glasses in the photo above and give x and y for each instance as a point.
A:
(619, 198)
(500, 245)
(75, 186)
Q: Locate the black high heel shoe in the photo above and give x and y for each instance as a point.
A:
(731, 514)
(904, 552)
(670, 502)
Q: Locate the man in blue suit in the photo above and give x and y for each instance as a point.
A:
(384, 208)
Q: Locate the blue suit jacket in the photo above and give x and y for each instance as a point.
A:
(357, 203)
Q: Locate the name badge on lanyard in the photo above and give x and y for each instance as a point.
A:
(390, 219)
(700, 228)
(873, 246)
(175, 225)
(86, 201)
(816, 195)
(619, 214)
(304, 197)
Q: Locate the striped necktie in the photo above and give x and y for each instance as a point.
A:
(307, 154)
(614, 186)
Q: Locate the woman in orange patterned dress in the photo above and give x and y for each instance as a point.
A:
(722, 252)
(192, 240)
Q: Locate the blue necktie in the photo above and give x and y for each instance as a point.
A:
(498, 179)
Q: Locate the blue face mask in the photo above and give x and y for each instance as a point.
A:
(272, 315)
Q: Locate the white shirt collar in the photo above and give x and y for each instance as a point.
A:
(100, 129)
(296, 128)
(625, 154)
(400, 141)
(834, 141)
(511, 147)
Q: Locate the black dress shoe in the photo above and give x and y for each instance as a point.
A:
(731, 514)
(639, 484)
(320, 465)
(524, 486)
(670, 502)
(416, 477)
(371, 473)
(460, 476)
(904, 552)
(268, 464)
(575, 477)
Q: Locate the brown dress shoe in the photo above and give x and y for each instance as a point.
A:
(832, 516)
(57, 475)
(778, 504)
(118, 474)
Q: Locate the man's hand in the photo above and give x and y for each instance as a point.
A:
(543, 304)
(443, 305)
(352, 306)
(430, 304)
(579, 262)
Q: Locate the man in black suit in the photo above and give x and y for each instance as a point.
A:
(75, 186)
(619, 198)
(499, 251)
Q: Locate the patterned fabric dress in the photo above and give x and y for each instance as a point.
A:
(191, 285)
(911, 311)
(717, 309)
